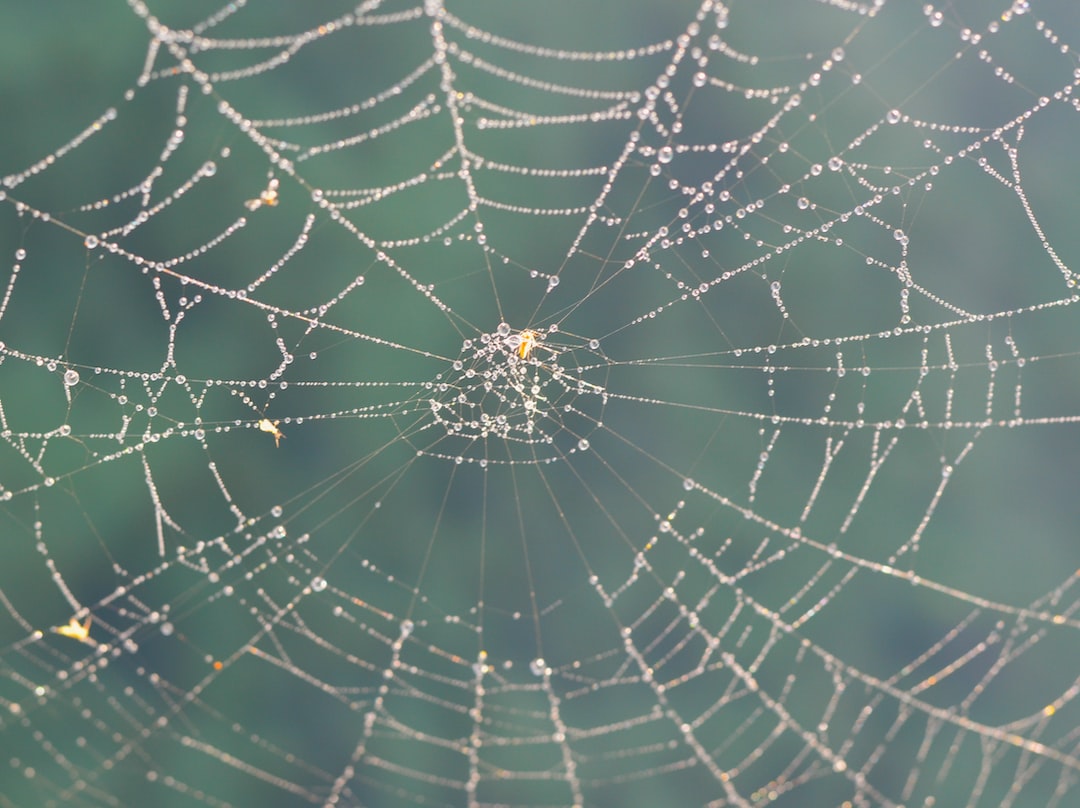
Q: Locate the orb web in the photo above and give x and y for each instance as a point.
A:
(456, 404)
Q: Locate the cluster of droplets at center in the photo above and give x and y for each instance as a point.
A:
(510, 387)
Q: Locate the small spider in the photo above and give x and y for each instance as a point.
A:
(266, 425)
(267, 197)
(75, 630)
(527, 343)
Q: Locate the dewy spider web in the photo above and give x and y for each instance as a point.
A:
(610, 404)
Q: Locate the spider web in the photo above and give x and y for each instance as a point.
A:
(477, 403)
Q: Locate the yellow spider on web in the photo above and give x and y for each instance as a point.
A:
(266, 425)
(527, 341)
(75, 630)
(267, 197)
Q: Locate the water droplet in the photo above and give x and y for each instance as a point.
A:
(71, 377)
(318, 584)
